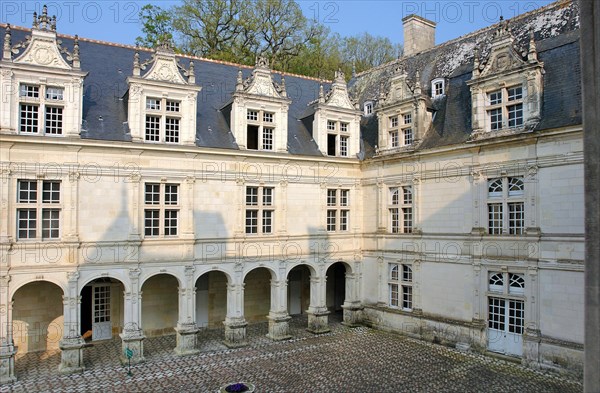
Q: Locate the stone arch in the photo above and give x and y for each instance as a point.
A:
(336, 285)
(211, 297)
(148, 275)
(312, 269)
(270, 269)
(160, 304)
(86, 278)
(18, 283)
(37, 316)
(257, 293)
(299, 287)
(102, 306)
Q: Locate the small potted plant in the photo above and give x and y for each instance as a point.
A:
(237, 387)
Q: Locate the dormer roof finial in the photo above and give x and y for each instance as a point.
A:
(7, 52)
(192, 73)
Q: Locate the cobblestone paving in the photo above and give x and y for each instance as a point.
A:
(345, 360)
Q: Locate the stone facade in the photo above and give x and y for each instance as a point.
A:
(134, 226)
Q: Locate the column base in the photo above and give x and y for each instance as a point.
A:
(186, 340)
(279, 327)
(71, 360)
(352, 315)
(235, 333)
(318, 321)
(134, 341)
(7, 364)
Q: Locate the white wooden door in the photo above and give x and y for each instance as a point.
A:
(505, 326)
(101, 323)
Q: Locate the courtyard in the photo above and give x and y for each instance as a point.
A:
(346, 359)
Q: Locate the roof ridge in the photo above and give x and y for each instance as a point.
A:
(545, 8)
(146, 49)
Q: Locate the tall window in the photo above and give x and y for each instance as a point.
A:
(38, 201)
(260, 129)
(161, 209)
(400, 130)
(260, 210)
(400, 281)
(163, 120)
(337, 138)
(506, 315)
(506, 205)
(41, 109)
(338, 213)
(505, 108)
(368, 108)
(401, 209)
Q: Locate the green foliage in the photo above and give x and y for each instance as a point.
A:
(240, 30)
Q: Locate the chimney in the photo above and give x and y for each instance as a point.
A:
(419, 34)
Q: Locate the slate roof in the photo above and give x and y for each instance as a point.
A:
(557, 39)
(556, 33)
(105, 99)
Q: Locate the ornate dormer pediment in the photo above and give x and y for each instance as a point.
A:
(399, 89)
(338, 95)
(504, 56)
(41, 48)
(259, 111)
(164, 67)
(506, 88)
(261, 83)
(42, 83)
(162, 103)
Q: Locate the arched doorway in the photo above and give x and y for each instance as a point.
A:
(298, 290)
(257, 295)
(37, 317)
(211, 300)
(160, 305)
(102, 309)
(336, 288)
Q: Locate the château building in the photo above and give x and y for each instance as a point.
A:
(147, 193)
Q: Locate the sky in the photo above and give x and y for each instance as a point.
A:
(117, 21)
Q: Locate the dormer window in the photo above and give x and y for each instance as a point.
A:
(337, 138)
(400, 130)
(162, 120)
(505, 113)
(260, 130)
(438, 87)
(368, 108)
(41, 109)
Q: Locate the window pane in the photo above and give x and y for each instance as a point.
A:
(407, 297)
(344, 214)
(50, 223)
(54, 120)
(515, 93)
(30, 91)
(172, 106)
(151, 222)
(408, 136)
(495, 119)
(54, 93)
(496, 313)
(395, 199)
(515, 115)
(152, 194)
(268, 117)
(267, 141)
(393, 295)
(344, 146)
(344, 127)
(251, 196)
(494, 187)
(267, 221)
(407, 118)
(51, 192)
(171, 222)
(152, 128)
(495, 218)
(394, 140)
(516, 218)
(407, 195)
(516, 186)
(344, 197)
(495, 97)
(27, 223)
(394, 272)
(407, 273)
(268, 196)
(171, 130)
(330, 125)
(27, 191)
(29, 118)
(331, 197)
(407, 221)
(171, 194)
(252, 115)
(251, 221)
(394, 221)
(153, 104)
(331, 219)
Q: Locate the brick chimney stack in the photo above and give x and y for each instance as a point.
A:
(419, 34)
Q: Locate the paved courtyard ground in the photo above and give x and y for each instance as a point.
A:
(345, 360)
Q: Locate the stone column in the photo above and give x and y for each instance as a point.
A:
(186, 325)
(7, 347)
(532, 334)
(72, 343)
(278, 316)
(317, 311)
(352, 306)
(132, 337)
(235, 324)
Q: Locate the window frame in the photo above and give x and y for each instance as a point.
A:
(259, 210)
(266, 128)
(435, 91)
(50, 115)
(41, 207)
(158, 108)
(499, 106)
(162, 209)
(340, 130)
(401, 209)
(505, 207)
(337, 210)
